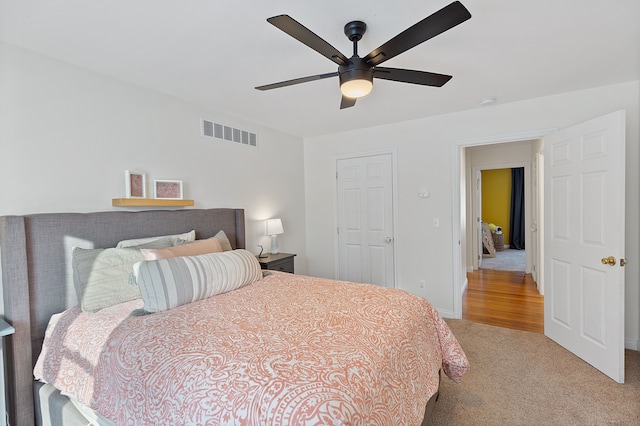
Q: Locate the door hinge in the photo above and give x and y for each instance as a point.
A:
(338, 230)
(336, 175)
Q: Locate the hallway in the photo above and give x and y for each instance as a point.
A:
(506, 299)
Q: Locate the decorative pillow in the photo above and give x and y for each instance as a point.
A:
(187, 236)
(101, 276)
(159, 243)
(211, 245)
(224, 240)
(168, 283)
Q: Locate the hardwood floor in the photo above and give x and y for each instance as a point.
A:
(504, 299)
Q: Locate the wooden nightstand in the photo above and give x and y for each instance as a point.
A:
(278, 262)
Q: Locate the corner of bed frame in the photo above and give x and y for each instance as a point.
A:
(15, 288)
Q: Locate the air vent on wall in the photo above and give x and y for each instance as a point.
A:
(220, 131)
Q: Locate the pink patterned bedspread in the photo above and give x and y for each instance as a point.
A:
(286, 350)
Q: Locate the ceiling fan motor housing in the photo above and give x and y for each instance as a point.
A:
(356, 69)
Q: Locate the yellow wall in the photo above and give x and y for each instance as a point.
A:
(496, 198)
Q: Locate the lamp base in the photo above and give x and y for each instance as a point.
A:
(274, 245)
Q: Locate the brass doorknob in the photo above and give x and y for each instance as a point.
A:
(609, 260)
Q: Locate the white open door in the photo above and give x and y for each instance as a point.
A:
(584, 176)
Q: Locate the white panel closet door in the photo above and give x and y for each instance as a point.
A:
(365, 220)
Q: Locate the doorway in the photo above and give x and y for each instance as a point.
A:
(502, 273)
(521, 150)
(502, 212)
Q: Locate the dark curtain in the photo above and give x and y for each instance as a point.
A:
(516, 233)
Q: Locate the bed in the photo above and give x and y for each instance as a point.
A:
(291, 377)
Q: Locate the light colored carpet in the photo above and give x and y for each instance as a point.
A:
(523, 378)
(506, 260)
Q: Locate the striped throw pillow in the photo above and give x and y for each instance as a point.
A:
(168, 283)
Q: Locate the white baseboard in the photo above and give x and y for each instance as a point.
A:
(445, 313)
(634, 345)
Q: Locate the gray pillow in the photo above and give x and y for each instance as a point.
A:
(168, 283)
(101, 276)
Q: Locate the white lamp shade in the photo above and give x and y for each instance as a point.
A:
(274, 227)
(356, 88)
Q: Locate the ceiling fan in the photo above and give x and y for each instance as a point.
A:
(356, 74)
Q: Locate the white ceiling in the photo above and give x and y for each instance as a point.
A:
(214, 52)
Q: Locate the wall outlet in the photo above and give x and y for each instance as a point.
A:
(422, 283)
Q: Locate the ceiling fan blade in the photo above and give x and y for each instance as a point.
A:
(297, 81)
(347, 102)
(437, 23)
(410, 76)
(306, 36)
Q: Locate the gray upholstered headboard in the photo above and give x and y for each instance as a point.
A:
(37, 279)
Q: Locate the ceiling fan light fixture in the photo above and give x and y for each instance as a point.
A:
(356, 88)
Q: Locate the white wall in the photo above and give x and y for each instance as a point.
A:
(425, 150)
(68, 134)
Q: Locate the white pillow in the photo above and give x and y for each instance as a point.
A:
(224, 240)
(168, 283)
(187, 237)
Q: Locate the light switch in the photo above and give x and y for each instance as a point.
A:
(436, 222)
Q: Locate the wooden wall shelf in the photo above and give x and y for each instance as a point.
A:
(149, 202)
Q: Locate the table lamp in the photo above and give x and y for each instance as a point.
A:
(274, 228)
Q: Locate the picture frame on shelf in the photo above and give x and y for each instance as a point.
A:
(167, 189)
(135, 184)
